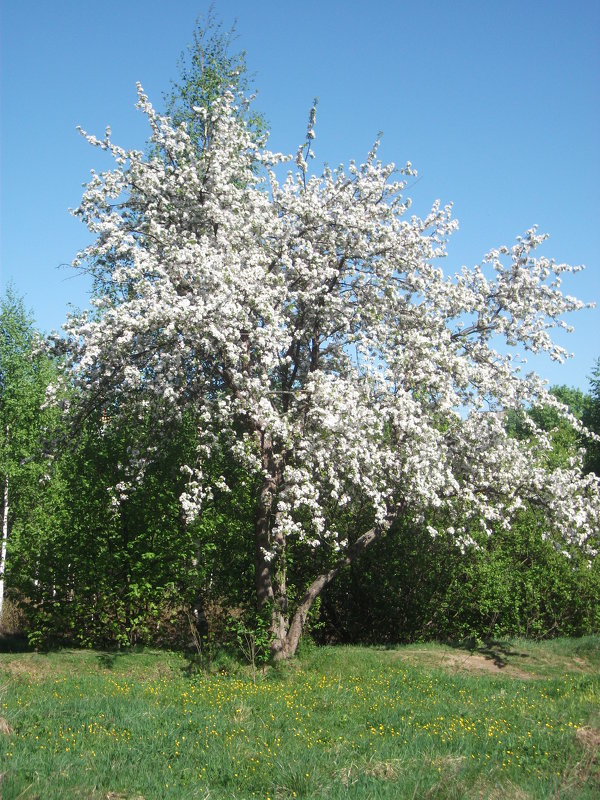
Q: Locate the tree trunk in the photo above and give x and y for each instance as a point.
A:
(279, 615)
(270, 572)
(262, 543)
(290, 644)
(4, 541)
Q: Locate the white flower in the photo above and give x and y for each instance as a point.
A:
(307, 323)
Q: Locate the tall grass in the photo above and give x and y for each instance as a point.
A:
(335, 723)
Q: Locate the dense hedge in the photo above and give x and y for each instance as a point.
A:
(412, 587)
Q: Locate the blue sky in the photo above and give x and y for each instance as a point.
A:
(496, 104)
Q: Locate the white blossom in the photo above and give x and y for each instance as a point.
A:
(309, 324)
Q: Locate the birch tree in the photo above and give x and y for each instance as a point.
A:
(207, 69)
(24, 377)
(308, 324)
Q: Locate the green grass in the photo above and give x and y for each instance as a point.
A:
(416, 722)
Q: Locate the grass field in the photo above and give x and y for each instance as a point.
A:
(514, 721)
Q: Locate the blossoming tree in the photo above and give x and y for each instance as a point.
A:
(308, 324)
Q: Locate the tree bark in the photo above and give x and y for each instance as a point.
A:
(270, 573)
(290, 644)
(279, 616)
(262, 568)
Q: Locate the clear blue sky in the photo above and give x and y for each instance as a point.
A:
(496, 104)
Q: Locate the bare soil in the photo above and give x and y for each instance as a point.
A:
(499, 660)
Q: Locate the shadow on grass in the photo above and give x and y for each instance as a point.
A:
(494, 650)
(194, 664)
(14, 643)
(109, 658)
(499, 653)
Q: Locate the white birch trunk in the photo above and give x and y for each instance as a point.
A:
(4, 541)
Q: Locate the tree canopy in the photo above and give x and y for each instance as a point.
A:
(307, 324)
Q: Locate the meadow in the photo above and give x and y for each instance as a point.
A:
(513, 720)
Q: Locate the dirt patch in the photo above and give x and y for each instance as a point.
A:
(463, 661)
(475, 662)
(585, 773)
(589, 739)
(381, 770)
(120, 796)
(503, 791)
(29, 666)
(5, 729)
(392, 770)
